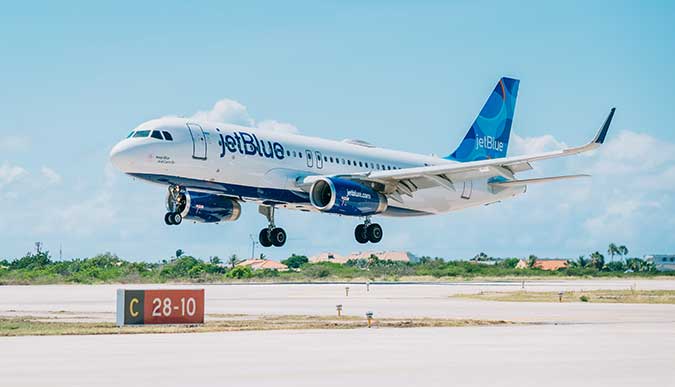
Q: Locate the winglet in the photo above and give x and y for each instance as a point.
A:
(600, 137)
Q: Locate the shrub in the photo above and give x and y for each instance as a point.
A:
(240, 272)
(583, 298)
(295, 261)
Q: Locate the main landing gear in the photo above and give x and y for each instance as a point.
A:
(271, 235)
(368, 232)
(175, 203)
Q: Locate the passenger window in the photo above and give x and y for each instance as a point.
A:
(156, 134)
(167, 136)
(360, 164)
(349, 162)
(331, 159)
(288, 153)
(294, 154)
(142, 133)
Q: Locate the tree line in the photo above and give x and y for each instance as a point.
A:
(39, 267)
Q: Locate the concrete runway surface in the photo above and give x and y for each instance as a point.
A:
(574, 344)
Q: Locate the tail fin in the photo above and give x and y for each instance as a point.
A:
(488, 137)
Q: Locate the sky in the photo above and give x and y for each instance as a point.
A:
(76, 77)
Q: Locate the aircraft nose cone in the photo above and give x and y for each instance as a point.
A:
(119, 157)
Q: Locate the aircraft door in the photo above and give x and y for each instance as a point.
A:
(198, 141)
(466, 191)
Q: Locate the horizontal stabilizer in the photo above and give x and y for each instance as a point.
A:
(537, 180)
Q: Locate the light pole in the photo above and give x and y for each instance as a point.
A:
(253, 243)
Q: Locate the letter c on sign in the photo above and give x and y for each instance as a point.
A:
(131, 307)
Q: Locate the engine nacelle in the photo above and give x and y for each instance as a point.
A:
(346, 197)
(204, 207)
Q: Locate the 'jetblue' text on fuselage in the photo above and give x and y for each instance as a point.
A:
(249, 144)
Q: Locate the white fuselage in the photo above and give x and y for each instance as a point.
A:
(266, 167)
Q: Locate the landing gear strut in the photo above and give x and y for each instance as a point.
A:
(271, 235)
(368, 232)
(175, 203)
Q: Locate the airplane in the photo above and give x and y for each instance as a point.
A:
(211, 168)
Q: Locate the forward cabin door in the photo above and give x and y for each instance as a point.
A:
(198, 141)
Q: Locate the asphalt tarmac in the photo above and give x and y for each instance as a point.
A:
(569, 344)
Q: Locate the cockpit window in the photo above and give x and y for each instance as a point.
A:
(167, 136)
(156, 134)
(142, 133)
(131, 134)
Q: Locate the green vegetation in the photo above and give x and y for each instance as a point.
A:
(31, 326)
(39, 268)
(592, 296)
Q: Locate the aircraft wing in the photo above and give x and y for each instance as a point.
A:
(407, 180)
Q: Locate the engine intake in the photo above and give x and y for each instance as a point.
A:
(204, 207)
(346, 197)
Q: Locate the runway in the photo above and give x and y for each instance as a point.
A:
(570, 344)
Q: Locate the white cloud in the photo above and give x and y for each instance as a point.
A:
(50, 175)
(226, 110)
(530, 145)
(11, 173)
(83, 216)
(277, 126)
(14, 143)
(234, 112)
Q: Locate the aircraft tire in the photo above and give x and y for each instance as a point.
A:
(264, 237)
(374, 232)
(278, 236)
(360, 233)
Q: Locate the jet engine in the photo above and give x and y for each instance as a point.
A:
(346, 197)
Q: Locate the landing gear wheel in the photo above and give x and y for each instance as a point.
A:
(264, 237)
(175, 218)
(278, 236)
(360, 233)
(374, 232)
(167, 219)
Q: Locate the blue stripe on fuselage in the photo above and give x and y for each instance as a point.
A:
(271, 195)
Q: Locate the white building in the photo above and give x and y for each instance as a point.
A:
(663, 262)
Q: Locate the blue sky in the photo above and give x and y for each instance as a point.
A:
(77, 76)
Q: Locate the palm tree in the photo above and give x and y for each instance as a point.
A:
(179, 253)
(623, 250)
(611, 250)
(580, 262)
(597, 260)
(233, 261)
(531, 261)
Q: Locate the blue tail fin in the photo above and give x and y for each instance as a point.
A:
(488, 137)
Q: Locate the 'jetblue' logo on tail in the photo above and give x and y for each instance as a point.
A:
(489, 142)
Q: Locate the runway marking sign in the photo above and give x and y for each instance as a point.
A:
(160, 306)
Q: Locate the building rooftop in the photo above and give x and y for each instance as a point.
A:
(257, 264)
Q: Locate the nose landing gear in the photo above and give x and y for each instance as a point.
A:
(175, 203)
(368, 232)
(271, 235)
